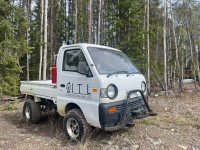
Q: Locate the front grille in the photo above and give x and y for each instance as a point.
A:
(133, 104)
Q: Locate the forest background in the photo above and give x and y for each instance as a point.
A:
(158, 35)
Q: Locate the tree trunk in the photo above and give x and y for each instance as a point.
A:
(45, 41)
(165, 53)
(172, 69)
(157, 45)
(27, 59)
(143, 36)
(27, 37)
(148, 50)
(196, 62)
(41, 39)
(175, 42)
(75, 31)
(52, 31)
(192, 57)
(99, 23)
(198, 51)
(90, 23)
(65, 22)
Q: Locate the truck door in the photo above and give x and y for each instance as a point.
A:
(77, 84)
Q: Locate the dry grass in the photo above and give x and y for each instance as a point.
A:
(176, 125)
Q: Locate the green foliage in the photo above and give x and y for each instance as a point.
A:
(127, 21)
(128, 33)
(123, 26)
(12, 46)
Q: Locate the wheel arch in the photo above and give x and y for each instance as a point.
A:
(71, 106)
(89, 111)
(29, 97)
(63, 107)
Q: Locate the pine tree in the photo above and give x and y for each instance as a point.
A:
(12, 46)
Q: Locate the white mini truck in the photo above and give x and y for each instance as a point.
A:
(96, 86)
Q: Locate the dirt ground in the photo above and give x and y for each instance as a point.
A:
(176, 127)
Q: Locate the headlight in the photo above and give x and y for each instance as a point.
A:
(143, 87)
(112, 91)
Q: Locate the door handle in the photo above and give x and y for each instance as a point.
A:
(62, 85)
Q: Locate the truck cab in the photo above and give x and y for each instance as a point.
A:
(96, 86)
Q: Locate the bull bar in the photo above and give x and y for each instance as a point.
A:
(123, 120)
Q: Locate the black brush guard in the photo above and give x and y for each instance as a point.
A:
(127, 116)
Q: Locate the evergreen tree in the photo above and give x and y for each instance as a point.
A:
(12, 46)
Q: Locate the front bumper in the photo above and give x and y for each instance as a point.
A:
(127, 110)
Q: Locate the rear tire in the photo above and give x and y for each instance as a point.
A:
(75, 125)
(31, 112)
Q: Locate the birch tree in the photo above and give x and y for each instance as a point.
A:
(164, 41)
(90, 23)
(45, 41)
(191, 55)
(27, 38)
(176, 47)
(41, 39)
(148, 49)
(75, 31)
(99, 25)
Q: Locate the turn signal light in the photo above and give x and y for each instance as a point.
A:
(112, 109)
(94, 90)
(146, 99)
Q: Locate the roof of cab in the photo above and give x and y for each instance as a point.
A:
(85, 45)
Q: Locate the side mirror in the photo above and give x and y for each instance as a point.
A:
(83, 68)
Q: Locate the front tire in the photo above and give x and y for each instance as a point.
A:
(75, 125)
(31, 112)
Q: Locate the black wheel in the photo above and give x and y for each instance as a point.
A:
(31, 112)
(75, 125)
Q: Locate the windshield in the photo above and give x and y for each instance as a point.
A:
(110, 61)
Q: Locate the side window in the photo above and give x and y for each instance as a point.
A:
(72, 60)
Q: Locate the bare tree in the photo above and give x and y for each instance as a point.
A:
(90, 23)
(51, 30)
(164, 40)
(75, 31)
(148, 49)
(28, 13)
(143, 35)
(191, 54)
(27, 38)
(41, 38)
(45, 41)
(175, 42)
(197, 64)
(99, 25)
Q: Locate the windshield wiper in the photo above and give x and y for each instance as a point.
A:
(118, 72)
(128, 74)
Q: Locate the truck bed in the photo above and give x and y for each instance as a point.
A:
(43, 89)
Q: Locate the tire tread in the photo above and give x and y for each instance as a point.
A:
(35, 111)
(86, 127)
